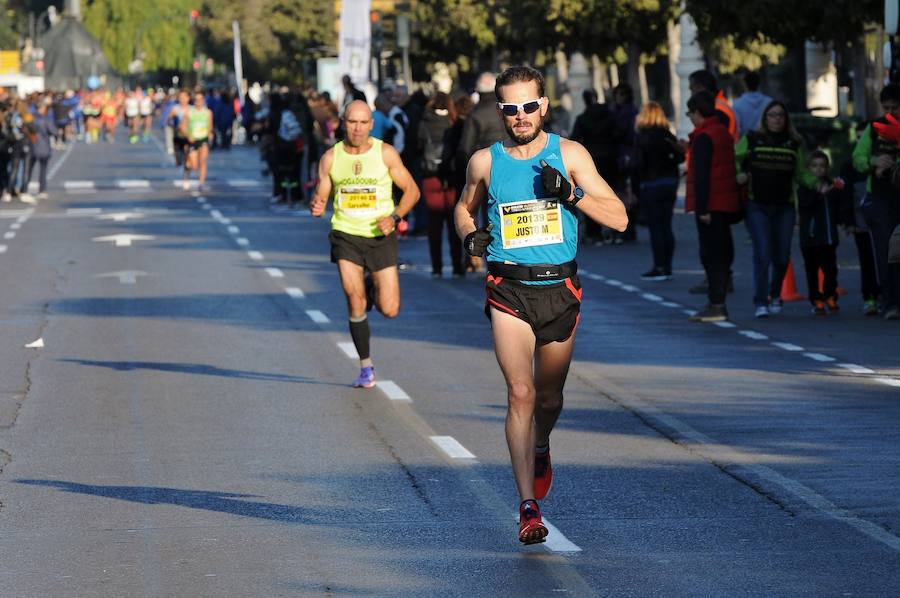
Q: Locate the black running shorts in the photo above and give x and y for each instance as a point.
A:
(374, 254)
(551, 310)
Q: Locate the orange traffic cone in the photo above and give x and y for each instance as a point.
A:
(789, 285)
(840, 289)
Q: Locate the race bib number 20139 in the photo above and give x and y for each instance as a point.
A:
(530, 223)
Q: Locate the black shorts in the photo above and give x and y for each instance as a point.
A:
(374, 254)
(197, 144)
(552, 310)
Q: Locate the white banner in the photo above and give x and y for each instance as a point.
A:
(238, 62)
(355, 40)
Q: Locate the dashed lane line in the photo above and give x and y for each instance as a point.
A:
(317, 316)
(787, 346)
(349, 350)
(452, 448)
(15, 226)
(753, 335)
(274, 272)
(820, 357)
(234, 230)
(295, 292)
(132, 183)
(856, 369)
(242, 241)
(394, 392)
(9, 235)
(255, 256)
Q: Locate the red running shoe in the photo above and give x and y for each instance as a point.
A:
(543, 475)
(531, 526)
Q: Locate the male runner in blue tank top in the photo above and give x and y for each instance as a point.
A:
(533, 184)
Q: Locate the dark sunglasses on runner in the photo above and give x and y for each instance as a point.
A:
(511, 109)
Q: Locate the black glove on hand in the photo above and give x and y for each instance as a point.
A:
(477, 241)
(554, 183)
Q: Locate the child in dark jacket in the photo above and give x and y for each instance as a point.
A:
(819, 213)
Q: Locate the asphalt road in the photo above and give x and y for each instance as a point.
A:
(186, 426)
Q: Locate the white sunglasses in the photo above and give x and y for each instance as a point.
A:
(512, 109)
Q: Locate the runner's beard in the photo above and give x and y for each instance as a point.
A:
(520, 139)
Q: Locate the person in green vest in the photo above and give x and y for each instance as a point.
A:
(877, 155)
(772, 159)
(359, 173)
(197, 128)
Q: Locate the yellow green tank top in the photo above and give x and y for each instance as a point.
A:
(198, 123)
(362, 191)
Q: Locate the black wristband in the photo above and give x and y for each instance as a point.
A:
(396, 219)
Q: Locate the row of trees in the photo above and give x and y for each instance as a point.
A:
(279, 34)
(731, 33)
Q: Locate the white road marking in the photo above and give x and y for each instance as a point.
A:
(133, 184)
(3, 248)
(317, 316)
(689, 312)
(652, 297)
(123, 240)
(595, 277)
(55, 167)
(124, 276)
(120, 216)
(274, 272)
(556, 541)
(38, 344)
(242, 241)
(671, 304)
(224, 220)
(9, 235)
(83, 211)
(33, 187)
(200, 199)
(216, 214)
(241, 183)
(452, 447)
(819, 357)
(234, 230)
(15, 226)
(70, 185)
(752, 334)
(394, 392)
(629, 288)
(613, 282)
(255, 255)
(349, 350)
(888, 381)
(725, 324)
(206, 206)
(856, 369)
(787, 346)
(295, 292)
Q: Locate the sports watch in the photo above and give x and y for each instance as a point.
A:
(577, 195)
(396, 219)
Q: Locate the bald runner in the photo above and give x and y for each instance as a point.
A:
(359, 174)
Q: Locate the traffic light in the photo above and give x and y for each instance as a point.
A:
(377, 31)
(195, 14)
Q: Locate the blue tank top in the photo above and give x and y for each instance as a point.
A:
(529, 228)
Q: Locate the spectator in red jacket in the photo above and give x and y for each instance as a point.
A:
(712, 194)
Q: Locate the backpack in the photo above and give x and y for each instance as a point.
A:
(433, 154)
(289, 129)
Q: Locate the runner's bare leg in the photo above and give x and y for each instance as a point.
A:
(514, 345)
